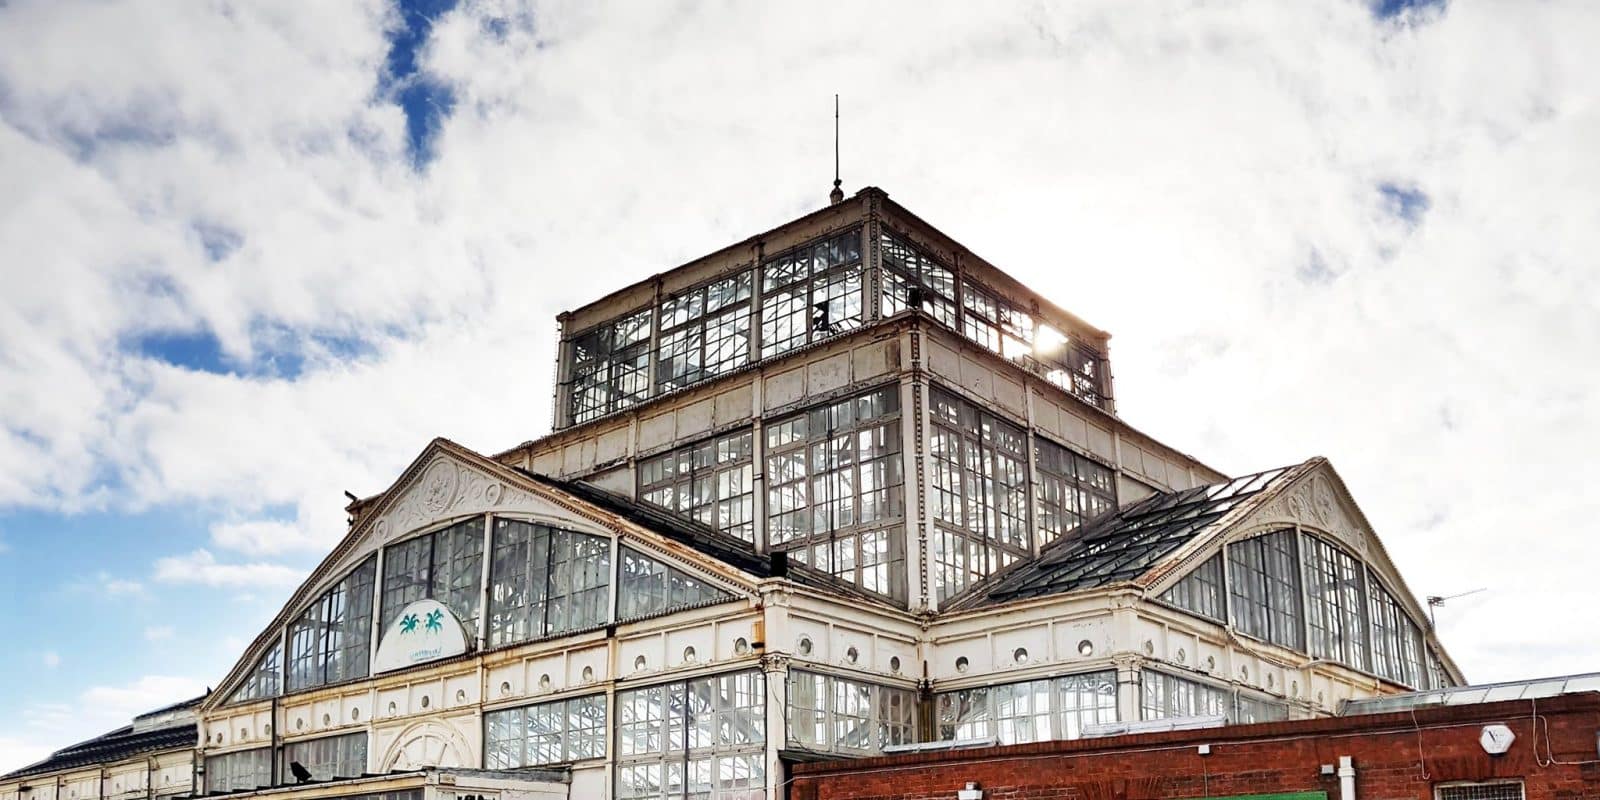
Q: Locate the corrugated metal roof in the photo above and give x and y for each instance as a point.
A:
(1123, 544)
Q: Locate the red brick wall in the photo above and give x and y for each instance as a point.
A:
(1251, 759)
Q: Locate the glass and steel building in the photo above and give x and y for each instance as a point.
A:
(840, 488)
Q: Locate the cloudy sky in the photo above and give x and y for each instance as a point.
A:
(255, 254)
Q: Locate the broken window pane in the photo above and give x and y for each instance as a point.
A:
(811, 293)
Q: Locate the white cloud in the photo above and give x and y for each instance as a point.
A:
(159, 633)
(268, 537)
(202, 568)
(1204, 183)
(50, 658)
(119, 586)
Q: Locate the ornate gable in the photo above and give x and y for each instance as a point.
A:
(1313, 499)
(448, 483)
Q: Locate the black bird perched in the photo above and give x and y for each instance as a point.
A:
(301, 774)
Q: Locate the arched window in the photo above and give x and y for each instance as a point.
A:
(446, 565)
(330, 641)
(1264, 590)
(545, 581)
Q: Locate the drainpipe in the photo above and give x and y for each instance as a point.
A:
(1347, 779)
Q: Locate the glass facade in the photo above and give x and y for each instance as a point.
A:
(1396, 640)
(239, 771)
(332, 639)
(913, 278)
(609, 367)
(1072, 490)
(811, 293)
(265, 680)
(1163, 696)
(711, 483)
(1201, 591)
(796, 298)
(558, 732)
(980, 493)
(832, 714)
(1264, 596)
(446, 565)
(1031, 711)
(835, 490)
(650, 588)
(545, 581)
(702, 738)
(327, 758)
(1335, 603)
(705, 332)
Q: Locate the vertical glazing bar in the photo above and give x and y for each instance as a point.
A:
(484, 593)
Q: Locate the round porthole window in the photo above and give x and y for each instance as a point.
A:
(393, 708)
(1020, 655)
(1182, 656)
(243, 734)
(962, 664)
(1211, 664)
(640, 663)
(588, 674)
(741, 646)
(299, 723)
(1149, 647)
(805, 645)
(426, 701)
(461, 695)
(544, 681)
(505, 688)
(1085, 648)
(894, 664)
(852, 655)
(355, 714)
(688, 655)
(327, 719)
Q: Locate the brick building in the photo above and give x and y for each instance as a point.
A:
(1440, 752)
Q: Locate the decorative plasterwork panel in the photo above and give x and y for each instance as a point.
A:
(431, 743)
(447, 489)
(1313, 502)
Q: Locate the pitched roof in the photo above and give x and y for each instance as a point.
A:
(729, 550)
(709, 541)
(121, 744)
(1124, 544)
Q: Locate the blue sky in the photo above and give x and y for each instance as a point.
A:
(258, 254)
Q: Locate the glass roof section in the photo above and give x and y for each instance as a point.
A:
(1124, 544)
(1467, 695)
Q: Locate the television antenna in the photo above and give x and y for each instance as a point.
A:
(1434, 601)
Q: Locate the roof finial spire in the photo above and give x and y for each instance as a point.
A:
(837, 195)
